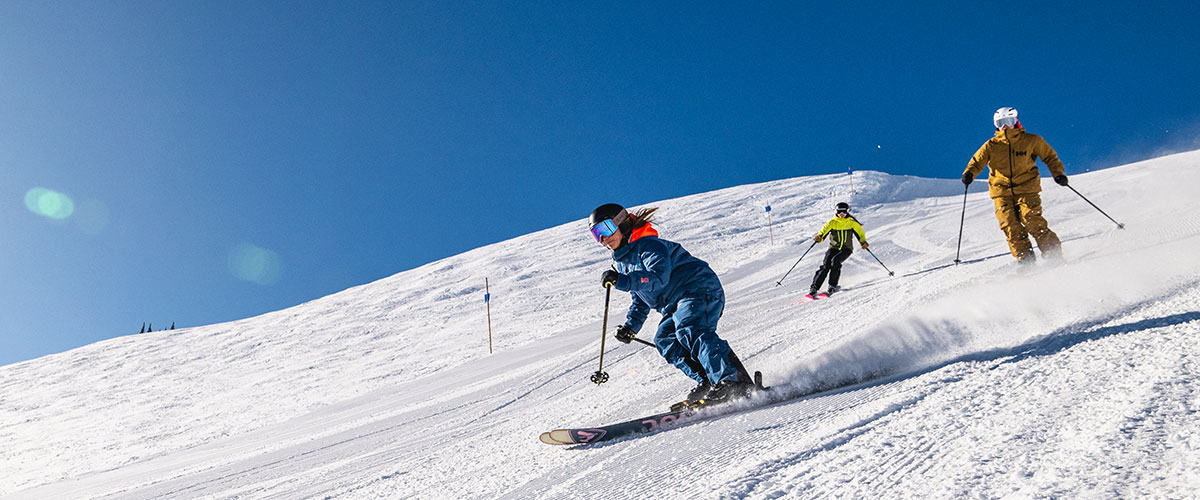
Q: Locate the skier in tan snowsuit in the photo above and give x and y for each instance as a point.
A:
(1015, 184)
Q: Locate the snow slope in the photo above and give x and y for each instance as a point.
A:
(977, 380)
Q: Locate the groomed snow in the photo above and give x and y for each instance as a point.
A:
(977, 380)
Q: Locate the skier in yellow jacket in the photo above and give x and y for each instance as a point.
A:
(840, 230)
(1015, 184)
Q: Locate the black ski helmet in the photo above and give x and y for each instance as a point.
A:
(843, 207)
(608, 211)
(619, 216)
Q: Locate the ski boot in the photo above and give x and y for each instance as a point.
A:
(699, 392)
(694, 397)
(727, 391)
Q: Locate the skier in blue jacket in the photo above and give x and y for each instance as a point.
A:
(661, 275)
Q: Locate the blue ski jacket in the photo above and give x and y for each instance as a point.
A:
(658, 273)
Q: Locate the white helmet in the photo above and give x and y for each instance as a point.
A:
(1005, 117)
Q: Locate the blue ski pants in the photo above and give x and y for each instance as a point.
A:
(687, 336)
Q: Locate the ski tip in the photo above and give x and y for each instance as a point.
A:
(557, 437)
(545, 438)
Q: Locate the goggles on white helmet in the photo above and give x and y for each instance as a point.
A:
(1005, 117)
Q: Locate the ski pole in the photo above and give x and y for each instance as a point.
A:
(785, 275)
(1119, 225)
(640, 341)
(600, 377)
(961, 220)
(890, 273)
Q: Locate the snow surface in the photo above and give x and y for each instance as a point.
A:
(976, 380)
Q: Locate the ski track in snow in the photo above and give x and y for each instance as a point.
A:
(978, 380)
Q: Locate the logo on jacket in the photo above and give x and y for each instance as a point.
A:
(1021, 153)
(645, 280)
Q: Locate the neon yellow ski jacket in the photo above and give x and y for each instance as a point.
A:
(840, 230)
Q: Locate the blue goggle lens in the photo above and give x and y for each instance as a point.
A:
(604, 229)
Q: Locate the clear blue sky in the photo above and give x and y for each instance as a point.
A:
(203, 161)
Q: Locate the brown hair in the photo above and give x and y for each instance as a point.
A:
(643, 217)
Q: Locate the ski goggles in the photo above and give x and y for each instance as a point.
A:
(604, 229)
(1005, 121)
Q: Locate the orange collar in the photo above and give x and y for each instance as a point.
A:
(645, 230)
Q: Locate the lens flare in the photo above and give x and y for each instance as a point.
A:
(49, 203)
(255, 264)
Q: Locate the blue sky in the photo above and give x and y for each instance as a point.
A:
(200, 162)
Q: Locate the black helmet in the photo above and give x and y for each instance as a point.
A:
(843, 207)
(606, 219)
(608, 211)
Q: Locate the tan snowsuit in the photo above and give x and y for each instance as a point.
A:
(1015, 186)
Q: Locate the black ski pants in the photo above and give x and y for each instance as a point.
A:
(832, 267)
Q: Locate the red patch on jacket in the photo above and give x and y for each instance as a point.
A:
(646, 230)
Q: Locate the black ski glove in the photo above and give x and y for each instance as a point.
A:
(1061, 180)
(967, 178)
(609, 278)
(624, 333)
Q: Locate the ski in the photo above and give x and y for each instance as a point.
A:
(613, 431)
(688, 412)
(812, 298)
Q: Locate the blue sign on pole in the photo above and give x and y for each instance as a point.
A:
(768, 208)
(486, 297)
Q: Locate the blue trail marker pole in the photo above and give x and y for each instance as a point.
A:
(770, 228)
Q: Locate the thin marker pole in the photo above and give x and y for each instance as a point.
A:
(770, 227)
